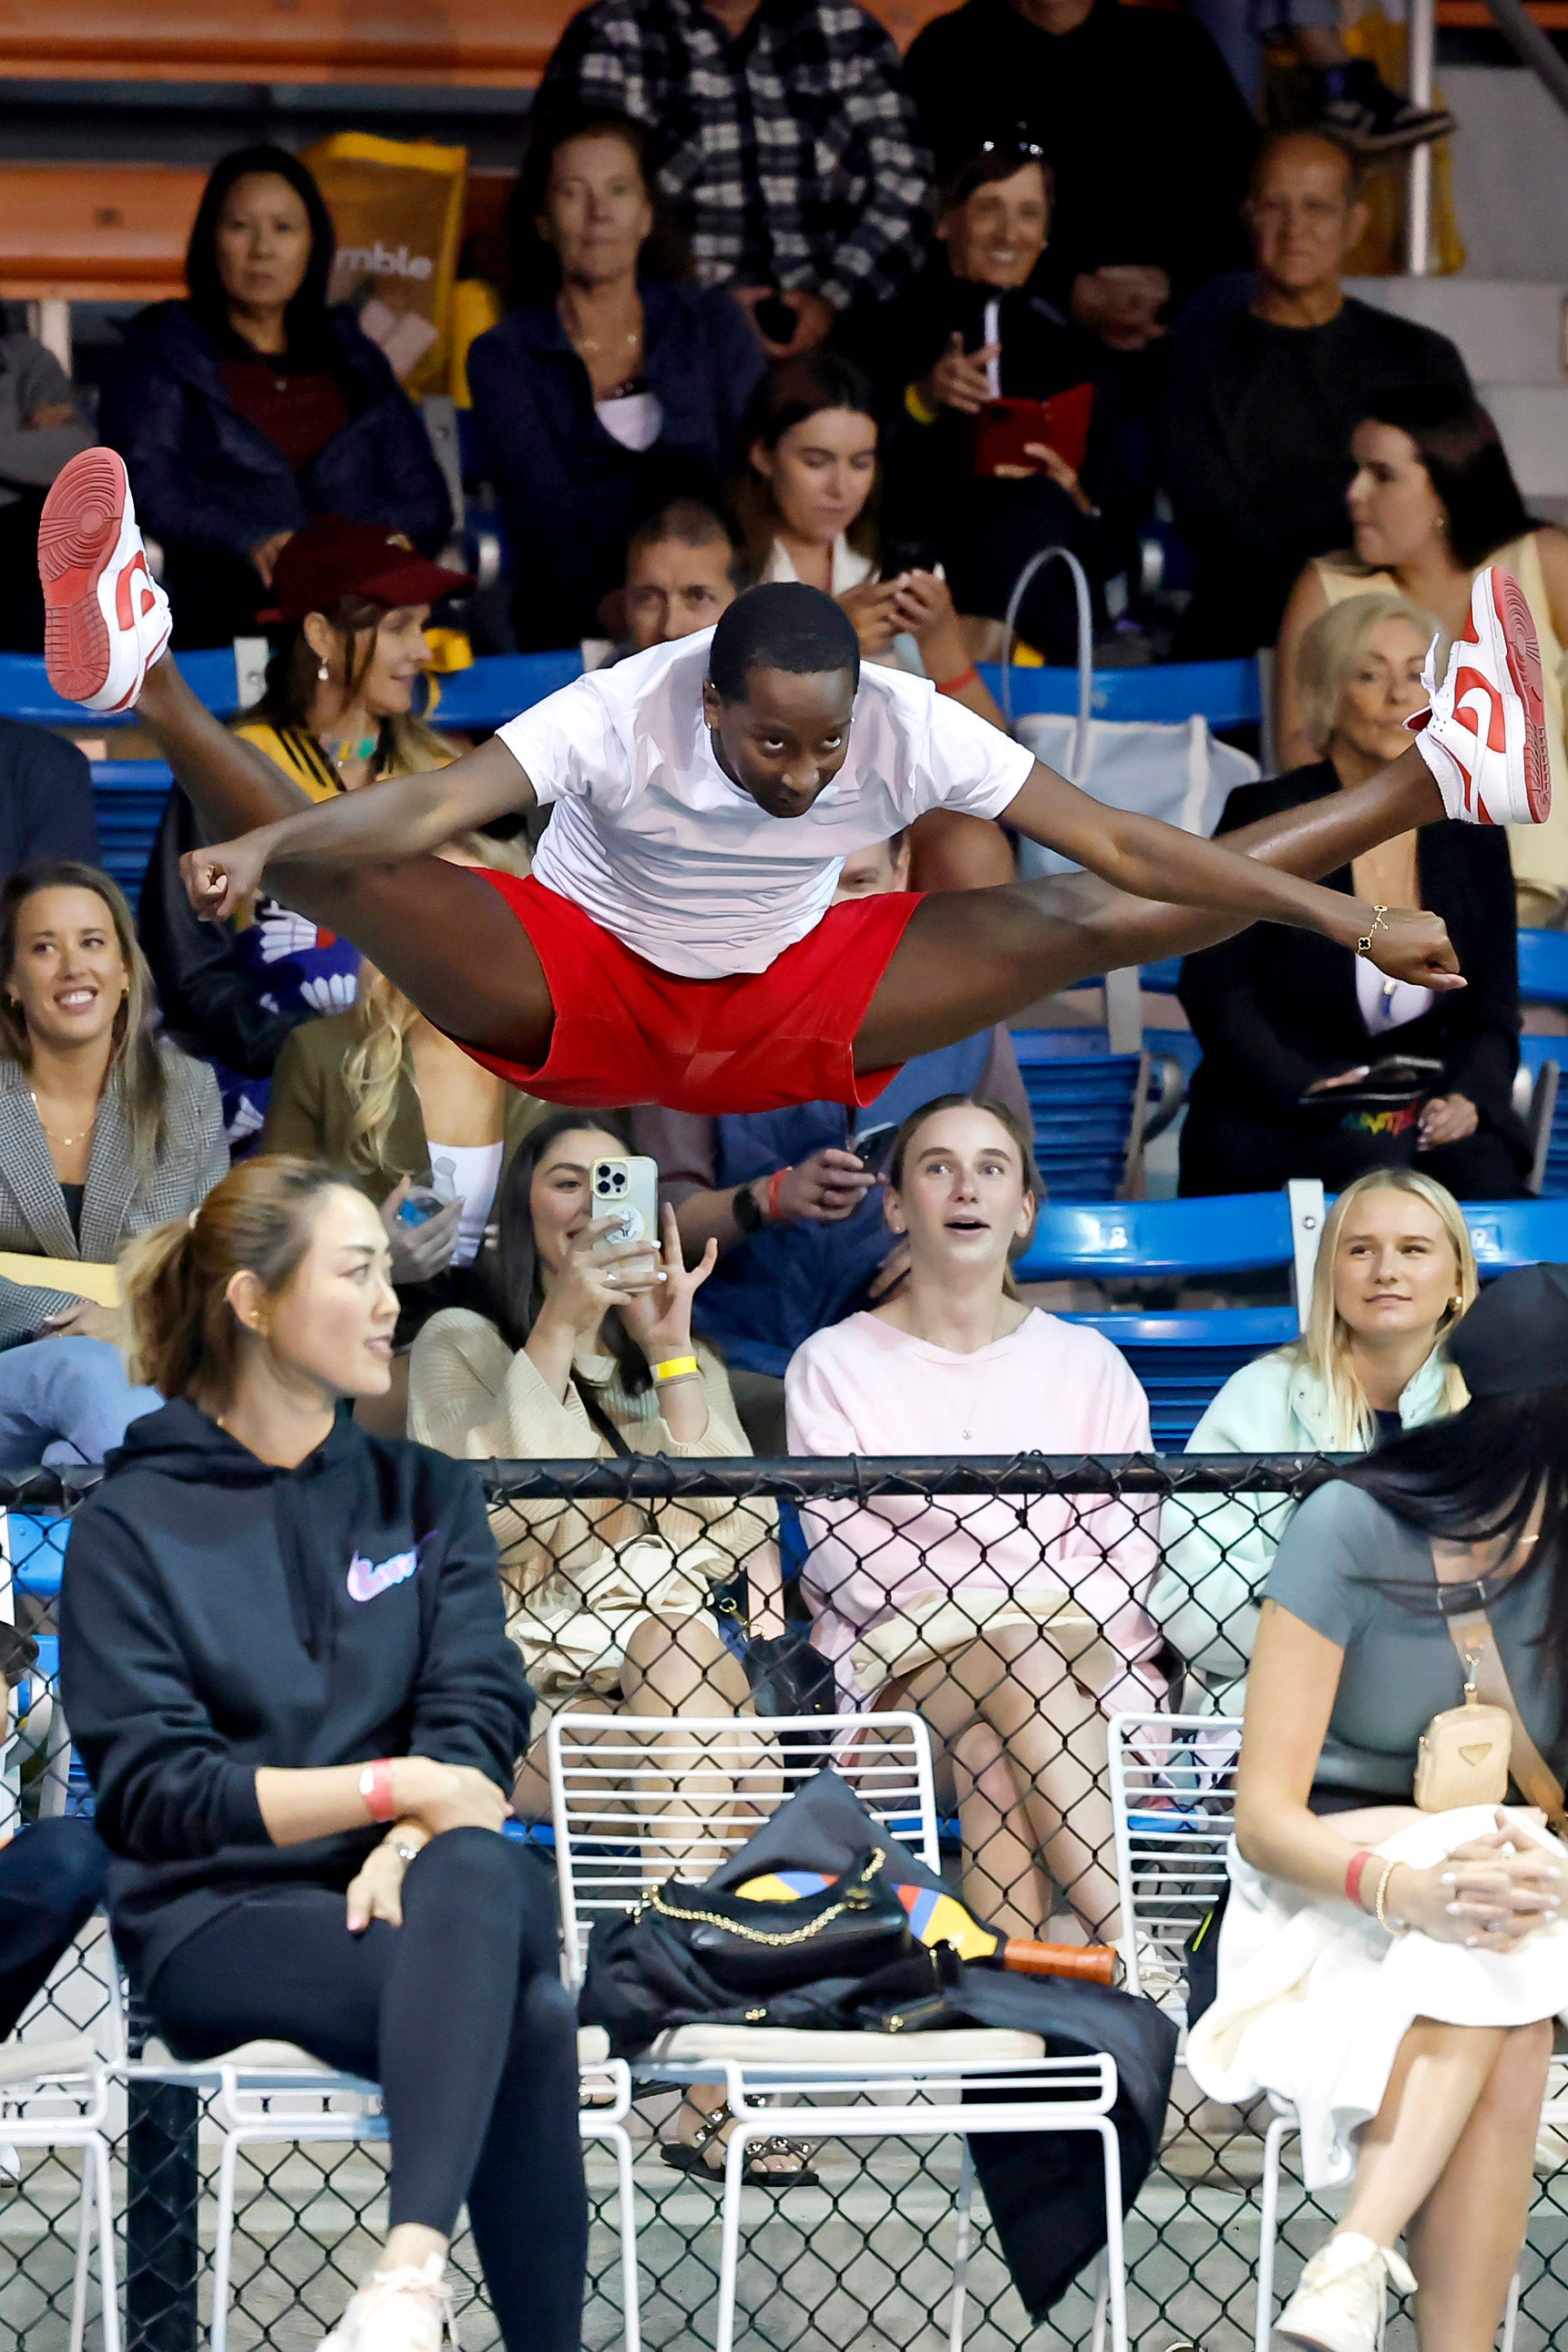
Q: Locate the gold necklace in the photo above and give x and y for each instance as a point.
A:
(590, 345)
(65, 1141)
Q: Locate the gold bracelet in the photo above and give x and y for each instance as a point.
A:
(1379, 923)
(674, 1368)
(1389, 1926)
(917, 405)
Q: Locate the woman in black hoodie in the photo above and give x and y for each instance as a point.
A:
(285, 1668)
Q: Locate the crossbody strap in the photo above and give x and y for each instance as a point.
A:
(1473, 1638)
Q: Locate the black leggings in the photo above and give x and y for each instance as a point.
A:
(460, 2015)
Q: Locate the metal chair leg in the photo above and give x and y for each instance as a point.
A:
(223, 2250)
(1115, 2252)
(107, 2271)
(964, 2208)
(87, 2219)
(1510, 2313)
(1268, 2229)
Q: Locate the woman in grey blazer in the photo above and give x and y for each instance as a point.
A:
(105, 1131)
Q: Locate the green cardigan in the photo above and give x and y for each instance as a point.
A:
(309, 1110)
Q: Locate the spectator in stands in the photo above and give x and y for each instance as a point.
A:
(1284, 1020)
(683, 569)
(252, 405)
(1144, 131)
(804, 500)
(1262, 397)
(1432, 499)
(346, 672)
(612, 388)
(793, 1197)
(382, 1094)
(52, 1877)
(302, 1771)
(972, 329)
(588, 1354)
(106, 1127)
(41, 427)
(1020, 1622)
(1414, 2057)
(1395, 1272)
(45, 799)
(784, 137)
(104, 1130)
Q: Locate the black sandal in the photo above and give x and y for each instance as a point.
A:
(690, 2156)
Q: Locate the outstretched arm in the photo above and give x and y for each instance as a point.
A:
(406, 816)
(1149, 859)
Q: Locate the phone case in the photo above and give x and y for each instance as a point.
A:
(1004, 429)
(630, 1189)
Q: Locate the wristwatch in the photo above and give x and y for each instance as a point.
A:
(747, 1210)
(405, 1850)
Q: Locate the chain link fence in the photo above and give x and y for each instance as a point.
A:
(1014, 1605)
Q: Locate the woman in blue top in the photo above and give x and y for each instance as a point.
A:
(253, 404)
(613, 388)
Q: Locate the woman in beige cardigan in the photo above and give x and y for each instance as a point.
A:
(611, 1604)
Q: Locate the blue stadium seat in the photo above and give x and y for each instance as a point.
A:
(1226, 693)
(493, 689)
(1083, 1102)
(1544, 968)
(1533, 1052)
(1239, 1233)
(26, 692)
(127, 796)
(1184, 1360)
(1160, 979)
(1505, 1234)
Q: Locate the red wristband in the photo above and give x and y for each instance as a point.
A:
(970, 676)
(775, 1182)
(1352, 1875)
(376, 1787)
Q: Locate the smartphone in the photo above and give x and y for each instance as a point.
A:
(910, 555)
(629, 1190)
(1004, 429)
(874, 1144)
(776, 318)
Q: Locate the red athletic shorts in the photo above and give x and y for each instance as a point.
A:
(626, 1032)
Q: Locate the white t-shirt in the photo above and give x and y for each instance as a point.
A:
(651, 838)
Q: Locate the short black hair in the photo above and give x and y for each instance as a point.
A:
(1465, 463)
(687, 522)
(786, 625)
(306, 315)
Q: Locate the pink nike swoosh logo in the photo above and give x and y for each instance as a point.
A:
(367, 1578)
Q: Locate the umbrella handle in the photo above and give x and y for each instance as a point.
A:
(1087, 1963)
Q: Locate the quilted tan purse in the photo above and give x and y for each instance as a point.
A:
(1469, 1753)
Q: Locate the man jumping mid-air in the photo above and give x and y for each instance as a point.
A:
(676, 942)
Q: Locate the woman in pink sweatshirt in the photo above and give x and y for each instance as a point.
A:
(1014, 1624)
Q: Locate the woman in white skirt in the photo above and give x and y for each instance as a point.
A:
(1392, 1968)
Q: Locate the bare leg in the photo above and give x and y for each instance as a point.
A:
(1439, 2076)
(1054, 1737)
(970, 958)
(1003, 1883)
(1468, 2237)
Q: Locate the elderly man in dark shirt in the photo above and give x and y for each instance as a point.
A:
(1264, 390)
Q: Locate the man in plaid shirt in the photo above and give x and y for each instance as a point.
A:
(785, 140)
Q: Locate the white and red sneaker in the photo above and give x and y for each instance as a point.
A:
(106, 619)
(1484, 737)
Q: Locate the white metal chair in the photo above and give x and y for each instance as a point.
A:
(272, 2093)
(1175, 1819)
(625, 1821)
(55, 2094)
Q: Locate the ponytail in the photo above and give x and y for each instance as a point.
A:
(185, 1334)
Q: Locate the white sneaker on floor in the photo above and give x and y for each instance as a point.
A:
(398, 2311)
(1484, 738)
(1340, 2301)
(106, 619)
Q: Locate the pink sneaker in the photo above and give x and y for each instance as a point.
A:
(105, 620)
(1484, 737)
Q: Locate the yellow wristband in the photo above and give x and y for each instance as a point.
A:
(675, 1368)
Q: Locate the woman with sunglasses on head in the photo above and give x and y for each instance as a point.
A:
(340, 713)
(287, 1672)
(1392, 1951)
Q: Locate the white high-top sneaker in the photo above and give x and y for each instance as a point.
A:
(1341, 2298)
(106, 619)
(1484, 737)
(408, 2310)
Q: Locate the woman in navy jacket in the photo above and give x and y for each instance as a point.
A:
(283, 1652)
(253, 405)
(613, 389)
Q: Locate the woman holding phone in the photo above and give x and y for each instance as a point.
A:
(283, 1652)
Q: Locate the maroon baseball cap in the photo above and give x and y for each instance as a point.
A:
(332, 558)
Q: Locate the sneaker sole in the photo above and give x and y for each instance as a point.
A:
(88, 518)
(1521, 651)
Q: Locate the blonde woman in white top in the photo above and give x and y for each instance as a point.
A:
(1433, 499)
